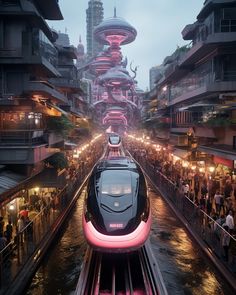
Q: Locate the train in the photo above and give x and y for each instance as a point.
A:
(114, 141)
(116, 215)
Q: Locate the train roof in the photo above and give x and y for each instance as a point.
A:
(112, 163)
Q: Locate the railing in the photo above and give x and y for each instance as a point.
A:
(66, 82)
(21, 137)
(26, 243)
(229, 76)
(202, 224)
(7, 52)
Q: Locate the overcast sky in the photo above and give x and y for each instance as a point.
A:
(158, 22)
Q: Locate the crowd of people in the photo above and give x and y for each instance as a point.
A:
(216, 198)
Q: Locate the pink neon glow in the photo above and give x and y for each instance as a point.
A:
(116, 39)
(124, 243)
(114, 145)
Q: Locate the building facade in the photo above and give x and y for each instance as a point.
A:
(196, 96)
(39, 90)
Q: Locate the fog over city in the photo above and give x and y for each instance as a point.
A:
(158, 22)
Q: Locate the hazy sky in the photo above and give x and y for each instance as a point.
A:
(158, 22)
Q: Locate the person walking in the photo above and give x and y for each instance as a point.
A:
(20, 224)
(230, 221)
(225, 240)
(24, 212)
(9, 230)
(217, 199)
(186, 189)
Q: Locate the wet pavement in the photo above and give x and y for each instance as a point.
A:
(60, 270)
(184, 267)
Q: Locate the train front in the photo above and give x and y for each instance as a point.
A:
(117, 214)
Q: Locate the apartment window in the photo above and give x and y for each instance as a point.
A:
(229, 13)
(228, 21)
(229, 67)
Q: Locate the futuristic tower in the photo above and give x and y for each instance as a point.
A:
(94, 16)
(114, 97)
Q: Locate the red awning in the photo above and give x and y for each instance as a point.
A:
(223, 161)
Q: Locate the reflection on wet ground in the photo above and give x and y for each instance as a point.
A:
(184, 267)
(60, 271)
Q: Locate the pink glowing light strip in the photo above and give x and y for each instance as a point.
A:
(133, 240)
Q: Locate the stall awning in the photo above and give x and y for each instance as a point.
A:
(220, 151)
(223, 161)
(183, 154)
(9, 180)
(49, 178)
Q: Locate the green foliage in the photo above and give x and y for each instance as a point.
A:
(218, 122)
(57, 161)
(61, 125)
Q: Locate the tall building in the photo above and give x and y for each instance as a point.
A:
(154, 73)
(196, 94)
(94, 17)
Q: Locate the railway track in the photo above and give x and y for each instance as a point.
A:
(117, 274)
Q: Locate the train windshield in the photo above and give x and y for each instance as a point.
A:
(116, 182)
(115, 139)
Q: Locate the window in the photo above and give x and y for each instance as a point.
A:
(229, 13)
(116, 183)
(228, 21)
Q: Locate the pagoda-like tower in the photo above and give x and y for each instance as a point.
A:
(113, 95)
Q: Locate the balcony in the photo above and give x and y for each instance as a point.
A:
(25, 155)
(21, 137)
(26, 146)
(49, 9)
(45, 89)
(206, 47)
(12, 53)
(69, 84)
(210, 4)
(205, 87)
(189, 30)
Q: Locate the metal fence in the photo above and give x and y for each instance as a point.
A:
(26, 244)
(202, 224)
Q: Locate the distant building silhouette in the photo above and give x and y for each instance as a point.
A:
(94, 14)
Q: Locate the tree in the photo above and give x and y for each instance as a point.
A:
(61, 125)
(57, 161)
